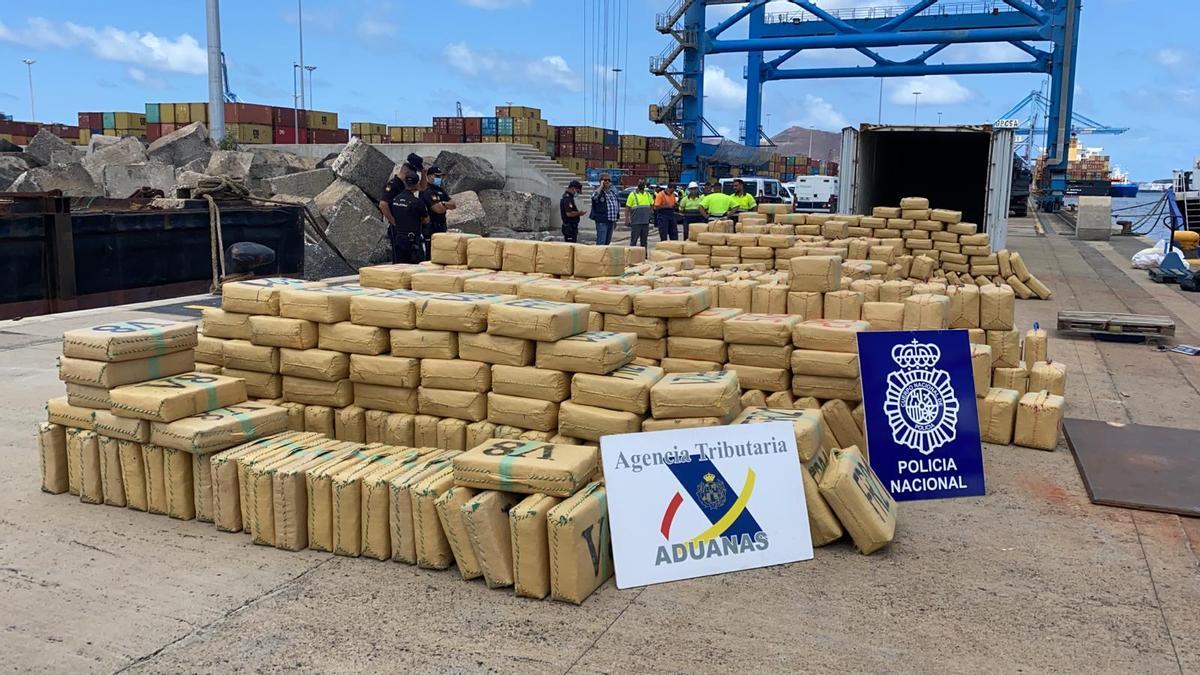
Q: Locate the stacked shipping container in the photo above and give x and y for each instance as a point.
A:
(249, 123)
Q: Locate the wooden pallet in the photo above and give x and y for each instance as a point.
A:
(1148, 326)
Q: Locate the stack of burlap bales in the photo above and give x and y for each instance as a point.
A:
(911, 241)
(138, 422)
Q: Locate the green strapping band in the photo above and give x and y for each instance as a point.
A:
(211, 390)
(160, 343)
(605, 535)
(152, 368)
(247, 424)
(506, 463)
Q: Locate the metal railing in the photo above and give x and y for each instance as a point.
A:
(665, 21)
(891, 11)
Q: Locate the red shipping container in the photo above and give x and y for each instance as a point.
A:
(469, 138)
(290, 135)
(610, 153)
(441, 125)
(457, 125)
(91, 120)
(565, 134)
(153, 132)
(566, 149)
(288, 117)
(473, 126)
(328, 136)
(248, 113)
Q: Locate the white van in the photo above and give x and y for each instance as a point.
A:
(815, 194)
(765, 190)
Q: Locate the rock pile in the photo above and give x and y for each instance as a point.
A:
(341, 192)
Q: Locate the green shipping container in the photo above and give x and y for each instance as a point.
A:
(151, 113)
(110, 120)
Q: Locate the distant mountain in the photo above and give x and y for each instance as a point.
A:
(826, 145)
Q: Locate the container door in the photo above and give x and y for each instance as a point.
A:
(1000, 167)
(848, 172)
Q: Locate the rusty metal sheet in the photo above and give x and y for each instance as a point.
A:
(1137, 466)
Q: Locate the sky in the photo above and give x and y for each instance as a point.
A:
(403, 61)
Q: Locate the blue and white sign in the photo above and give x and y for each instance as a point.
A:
(922, 424)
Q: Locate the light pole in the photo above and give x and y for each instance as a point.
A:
(880, 101)
(29, 65)
(616, 89)
(296, 105)
(916, 99)
(310, 94)
(939, 117)
(300, 26)
(767, 126)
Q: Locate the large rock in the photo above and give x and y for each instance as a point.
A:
(11, 168)
(43, 145)
(98, 141)
(182, 145)
(9, 146)
(461, 173)
(321, 263)
(72, 179)
(303, 184)
(516, 211)
(360, 235)
(122, 180)
(309, 205)
(271, 163)
(342, 191)
(188, 180)
(124, 151)
(230, 163)
(469, 217)
(365, 166)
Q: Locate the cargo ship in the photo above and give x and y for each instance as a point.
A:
(1121, 185)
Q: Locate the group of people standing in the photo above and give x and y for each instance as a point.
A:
(666, 206)
(415, 206)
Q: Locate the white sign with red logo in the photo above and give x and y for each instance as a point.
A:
(692, 502)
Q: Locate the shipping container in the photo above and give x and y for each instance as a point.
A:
(290, 135)
(610, 137)
(198, 112)
(489, 126)
(565, 134)
(110, 120)
(91, 120)
(886, 163)
(363, 129)
(317, 119)
(151, 113)
(328, 135)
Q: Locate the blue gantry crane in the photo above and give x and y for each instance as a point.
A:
(775, 38)
(1028, 120)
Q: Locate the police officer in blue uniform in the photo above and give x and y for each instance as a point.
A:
(405, 211)
(438, 202)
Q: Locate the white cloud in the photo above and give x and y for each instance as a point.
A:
(721, 89)
(550, 70)
(820, 114)
(1170, 56)
(935, 89)
(138, 75)
(182, 54)
(553, 69)
(724, 131)
(494, 4)
(373, 28)
(470, 111)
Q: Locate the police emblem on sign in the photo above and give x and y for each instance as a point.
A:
(711, 492)
(920, 405)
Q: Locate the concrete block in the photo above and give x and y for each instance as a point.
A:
(72, 179)
(360, 235)
(187, 179)
(70, 155)
(127, 150)
(321, 263)
(469, 217)
(98, 141)
(11, 167)
(1094, 219)
(516, 211)
(230, 164)
(270, 163)
(341, 191)
(44, 144)
(122, 180)
(365, 166)
(304, 184)
(182, 145)
(462, 173)
(308, 203)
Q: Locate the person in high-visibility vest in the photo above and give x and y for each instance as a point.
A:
(742, 200)
(639, 206)
(689, 207)
(664, 214)
(716, 204)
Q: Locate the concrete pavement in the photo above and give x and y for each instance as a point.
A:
(1030, 577)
